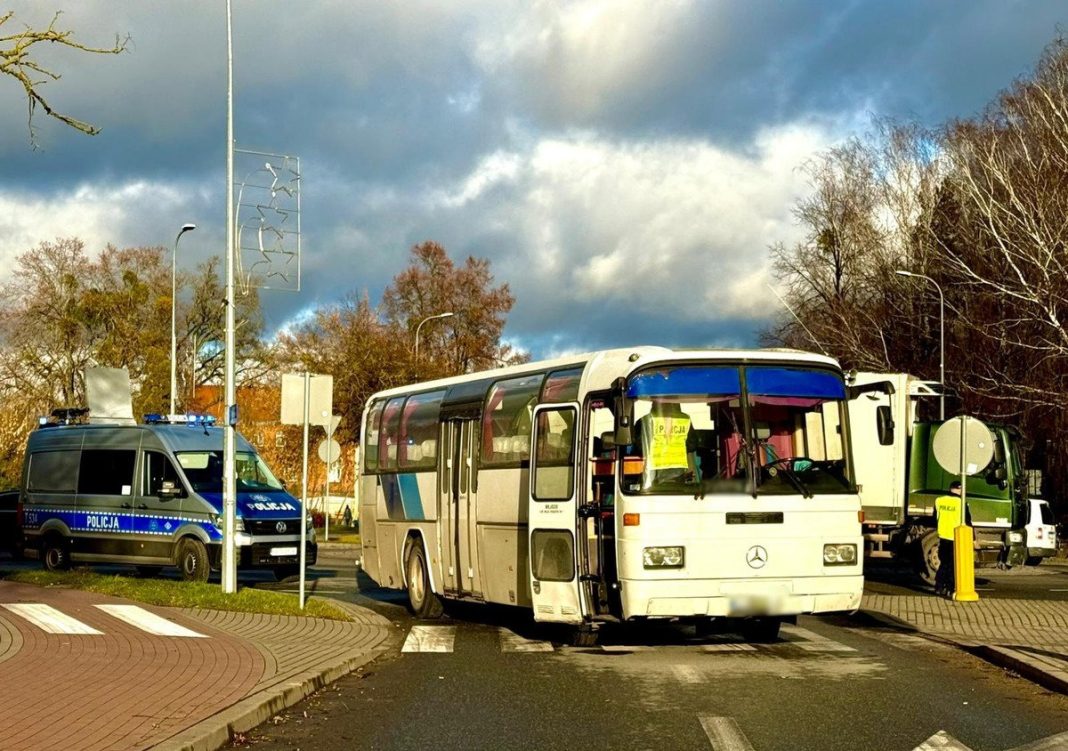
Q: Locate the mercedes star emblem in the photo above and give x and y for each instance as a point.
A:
(281, 527)
(756, 556)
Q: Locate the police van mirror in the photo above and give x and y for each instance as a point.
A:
(884, 424)
(168, 489)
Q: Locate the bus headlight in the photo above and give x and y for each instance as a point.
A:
(664, 557)
(839, 555)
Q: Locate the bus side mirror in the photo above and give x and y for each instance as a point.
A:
(623, 410)
(884, 423)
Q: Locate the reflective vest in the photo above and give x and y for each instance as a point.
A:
(667, 441)
(950, 511)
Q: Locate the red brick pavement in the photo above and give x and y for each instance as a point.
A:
(124, 689)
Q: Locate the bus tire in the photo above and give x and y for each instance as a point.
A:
(1033, 560)
(55, 552)
(761, 630)
(927, 557)
(421, 600)
(192, 560)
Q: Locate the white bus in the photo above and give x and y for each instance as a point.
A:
(551, 486)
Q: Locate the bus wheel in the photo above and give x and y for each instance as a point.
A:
(422, 601)
(706, 626)
(761, 630)
(55, 553)
(192, 560)
(927, 563)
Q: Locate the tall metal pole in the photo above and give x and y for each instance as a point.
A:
(941, 338)
(174, 294)
(428, 318)
(229, 564)
(304, 489)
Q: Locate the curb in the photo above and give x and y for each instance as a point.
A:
(217, 731)
(1006, 658)
(338, 547)
(1024, 665)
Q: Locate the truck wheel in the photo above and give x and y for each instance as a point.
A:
(192, 560)
(927, 559)
(55, 553)
(584, 636)
(422, 601)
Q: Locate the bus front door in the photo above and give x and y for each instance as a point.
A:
(552, 515)
(457, 510)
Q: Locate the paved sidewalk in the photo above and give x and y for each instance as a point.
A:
(1029, 637)
(81, 676)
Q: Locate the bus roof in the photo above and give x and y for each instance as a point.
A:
(606, 365)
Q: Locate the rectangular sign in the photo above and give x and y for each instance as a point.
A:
(321, 398)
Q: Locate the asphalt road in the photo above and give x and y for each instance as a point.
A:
(504, 682)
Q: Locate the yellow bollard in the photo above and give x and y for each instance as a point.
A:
(964, 565)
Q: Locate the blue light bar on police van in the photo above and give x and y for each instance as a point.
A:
(192, 420)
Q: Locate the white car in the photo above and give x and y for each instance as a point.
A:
(1041, 532)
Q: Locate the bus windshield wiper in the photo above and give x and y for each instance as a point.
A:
(796, 481)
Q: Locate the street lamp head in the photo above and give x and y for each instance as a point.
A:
(445, 315)
(187, 227)
(902, 272)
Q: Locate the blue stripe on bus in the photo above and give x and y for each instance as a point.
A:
(116, 523)
(770, 381)
(410, 498)
(403, 500)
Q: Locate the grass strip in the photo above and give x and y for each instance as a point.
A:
(179, 594)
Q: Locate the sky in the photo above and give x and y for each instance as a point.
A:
(624, 164)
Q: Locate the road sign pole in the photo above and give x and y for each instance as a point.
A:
(304, 490)
(326, 498)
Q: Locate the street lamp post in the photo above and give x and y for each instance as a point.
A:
(941, 338)
(174, 294)
(428, 318)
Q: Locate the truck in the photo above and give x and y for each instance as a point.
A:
(899, 478)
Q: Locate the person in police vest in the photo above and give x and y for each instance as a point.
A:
(951, 513)
(667, 443)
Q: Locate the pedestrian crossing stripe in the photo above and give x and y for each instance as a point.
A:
(148, 621)
(50, 620)
(513, 642)
(430, 639)
(54, 621)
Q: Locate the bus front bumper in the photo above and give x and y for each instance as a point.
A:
(740, 598)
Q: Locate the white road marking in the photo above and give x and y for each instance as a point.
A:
(148, 621)
(48, 619)
(810, 641)
(728, 648)
(1057, 742)
(513, 642)
(430, 639)
(1059, 590)
(724, 733)
(687, 673)
(941, 740)
(626, 648)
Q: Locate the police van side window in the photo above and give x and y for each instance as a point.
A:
(158, 470)
(53, 472)
(106, 472)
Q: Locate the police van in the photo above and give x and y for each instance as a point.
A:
(151, 495)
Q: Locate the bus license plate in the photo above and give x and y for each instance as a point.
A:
(282, 552)
(747, 605)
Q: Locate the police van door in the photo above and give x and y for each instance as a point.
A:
(158, 505)
(552, 514)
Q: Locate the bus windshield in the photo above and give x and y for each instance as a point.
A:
(697, 431)
(204, 470)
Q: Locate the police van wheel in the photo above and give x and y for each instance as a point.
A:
(55, 553)
(422, 601)
(281, 573)
(192, 559)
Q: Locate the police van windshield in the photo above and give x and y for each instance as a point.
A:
(204, 470)
(695, 433)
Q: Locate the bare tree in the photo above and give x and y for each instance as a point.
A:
(17, 60)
